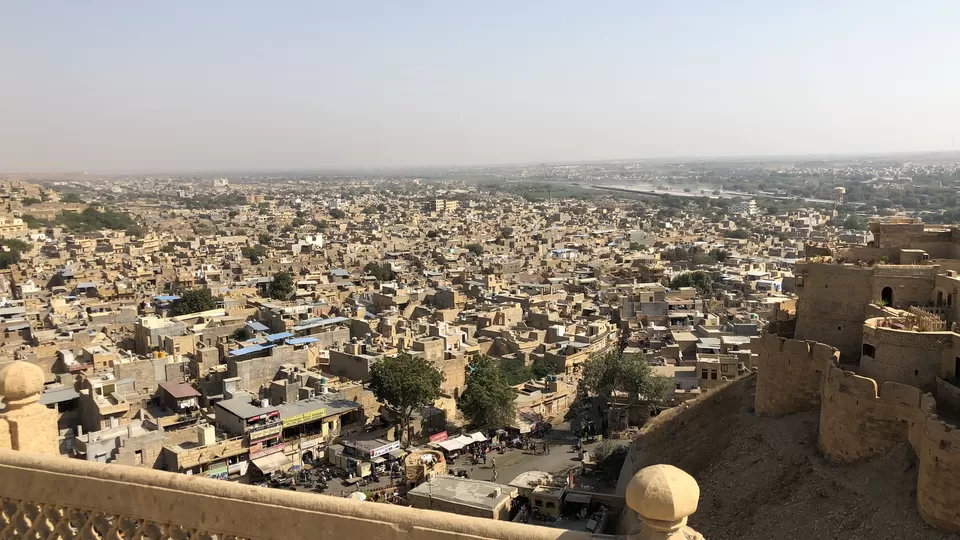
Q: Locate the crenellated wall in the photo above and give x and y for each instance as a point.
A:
(789, 373)
(938, 479)
(906, 356)
(857, 422)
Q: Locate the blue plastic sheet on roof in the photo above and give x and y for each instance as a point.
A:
(278, 337)
(301, 341)
(257, 326)
(247, 350)
(166, 298)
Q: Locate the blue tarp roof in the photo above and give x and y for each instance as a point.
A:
(166, 297)
(301, 340)
(278, 337)
(251, 349)
(258, 326)
(312, 323)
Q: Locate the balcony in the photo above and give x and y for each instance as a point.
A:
(45, 496)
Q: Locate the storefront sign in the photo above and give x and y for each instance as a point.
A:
(266, 451)
(304, 418)
(437, 437)
(385, 449)
(218, 470)
(263, 433)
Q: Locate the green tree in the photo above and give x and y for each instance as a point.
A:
(298, 222)
(515, 371)
(337, 213)
(11, 251)
(193, 301)
(476, 249)
(255, 254)
(382, 272)
(371, 210)
(739, 234)
(264, 238)
(542, 367)
(71, 198)
(30, 201)
(855, 222)
(698, 279)
(282, 286)
(719, 255)
(405, 384)
(626, 376)
(488, 400)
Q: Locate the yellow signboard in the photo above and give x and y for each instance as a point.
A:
(304, 418)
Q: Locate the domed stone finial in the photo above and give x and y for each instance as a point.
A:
(664, 496)
(20, 383)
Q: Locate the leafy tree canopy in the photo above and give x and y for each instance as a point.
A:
(627, 375)
(405, 384)
(488, 400)
(698, 279)
(476, 249)
(282, 286)
(193, 301)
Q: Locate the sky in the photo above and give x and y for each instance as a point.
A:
(180, 86)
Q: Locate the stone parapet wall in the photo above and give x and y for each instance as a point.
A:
(42, 494)
(904, 356)
(938, 478)
(857, 422)
(789, 373)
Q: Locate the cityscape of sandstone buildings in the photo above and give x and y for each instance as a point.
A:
(100, 381)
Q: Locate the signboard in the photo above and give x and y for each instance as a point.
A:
(263, 433)
(437, 437)
(266, 451)
(385, 449)
(304, 418)
(219, 470)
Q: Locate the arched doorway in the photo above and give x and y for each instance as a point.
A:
(307, 457)
(887, 296)
(950, 300)
(939, 298)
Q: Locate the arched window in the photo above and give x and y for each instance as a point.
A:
(950, 300)
(939, 298)
(887, 296)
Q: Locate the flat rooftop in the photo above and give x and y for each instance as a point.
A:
(465, 491)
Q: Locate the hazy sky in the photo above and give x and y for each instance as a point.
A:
(168, 85)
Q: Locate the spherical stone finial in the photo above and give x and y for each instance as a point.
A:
(663, 496)
(21, 383)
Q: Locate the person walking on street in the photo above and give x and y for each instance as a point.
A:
(493, 463)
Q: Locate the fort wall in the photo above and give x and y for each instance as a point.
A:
(834, 299)
(789, 374)
(938, 477)
(904, 356)
(857, 422)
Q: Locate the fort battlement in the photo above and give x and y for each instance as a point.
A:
(938, 478)
(789, 373)
(857, 422)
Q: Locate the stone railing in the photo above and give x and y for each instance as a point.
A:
(52, 497)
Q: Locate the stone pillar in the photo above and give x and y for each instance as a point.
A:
(25, 424)
(663, 496)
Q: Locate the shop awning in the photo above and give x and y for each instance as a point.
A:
(478, 437)
(578, 498)
(378, 460)
(271, 463)
(450, 445)
(398, 453)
